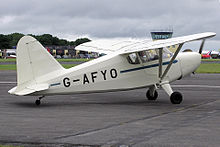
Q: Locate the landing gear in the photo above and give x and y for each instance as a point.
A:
(176, 98)
(38, 101)
(153, 96)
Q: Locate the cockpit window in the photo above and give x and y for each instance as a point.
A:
(133, 58)
(151, 55)
(167, 53)
(147, 56)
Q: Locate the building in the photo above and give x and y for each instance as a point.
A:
(62, 51)
(164, 34)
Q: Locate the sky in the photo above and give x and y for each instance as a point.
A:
(72, 19)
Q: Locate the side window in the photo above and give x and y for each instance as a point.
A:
(143, 56)
(133, 59)
(166, 53)
(148, 55)
(153, 54)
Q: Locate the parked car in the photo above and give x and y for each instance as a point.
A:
(58, 57)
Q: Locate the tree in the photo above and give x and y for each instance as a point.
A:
(4, 42)
(14, 38)
(72, 43)
(8, 41)
(55, 41)
(45, 39)
(81, 41)
(63, 42)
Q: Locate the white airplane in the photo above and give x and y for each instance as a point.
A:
(127, 65)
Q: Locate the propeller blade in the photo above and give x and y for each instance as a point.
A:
(201, 46)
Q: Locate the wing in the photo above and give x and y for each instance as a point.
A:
(137, 46)
(131, 46)
(105, 46)
(164, 43)
(161, 44)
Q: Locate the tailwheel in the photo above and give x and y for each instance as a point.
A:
(152, 95)
(38, 101)
(176, 98)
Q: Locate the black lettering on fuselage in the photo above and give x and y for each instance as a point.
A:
(66, 82)
(94, 75)
(85, 79)
(104, 74)
(113, 73)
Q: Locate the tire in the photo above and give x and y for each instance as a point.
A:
(152, 98)
(176, 98)
(37, 102)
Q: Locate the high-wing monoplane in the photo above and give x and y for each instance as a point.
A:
(127, 65)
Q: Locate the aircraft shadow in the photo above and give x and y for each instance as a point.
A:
(91, 103)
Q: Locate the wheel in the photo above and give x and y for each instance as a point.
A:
(152, 98)
(37, 102)
(176, 98)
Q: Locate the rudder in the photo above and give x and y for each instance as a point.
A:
(33, 61)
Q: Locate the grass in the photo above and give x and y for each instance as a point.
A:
(84, 60)
(8, 67)
(13, 66)
(209, 68)
(9, 146)
(67, 66)
(73, 60)
(210, 60)
(7, 60)
(59, 60)
(204, 68)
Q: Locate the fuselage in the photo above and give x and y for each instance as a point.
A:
(114, 72)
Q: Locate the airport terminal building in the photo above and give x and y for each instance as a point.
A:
(164, 34)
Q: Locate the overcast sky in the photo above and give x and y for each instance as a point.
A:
(71, 19)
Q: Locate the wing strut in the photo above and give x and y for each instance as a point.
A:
(171, 62)
(160, 61)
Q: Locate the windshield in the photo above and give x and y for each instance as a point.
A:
(148, 55)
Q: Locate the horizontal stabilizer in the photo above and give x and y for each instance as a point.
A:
(29, 89)
(25, 91)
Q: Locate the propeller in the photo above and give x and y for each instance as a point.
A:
(201, 46)
(200, 50)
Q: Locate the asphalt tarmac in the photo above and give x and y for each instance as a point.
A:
(114, 119)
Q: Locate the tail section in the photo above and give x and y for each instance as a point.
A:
(33, 62)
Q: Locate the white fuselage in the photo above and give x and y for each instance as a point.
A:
(113, 73)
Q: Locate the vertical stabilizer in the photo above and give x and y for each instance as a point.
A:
(33, 61)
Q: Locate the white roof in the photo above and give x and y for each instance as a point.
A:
(214, 52)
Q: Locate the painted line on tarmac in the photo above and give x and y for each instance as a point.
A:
(98, 130)
(195, 86)
(7, 82)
